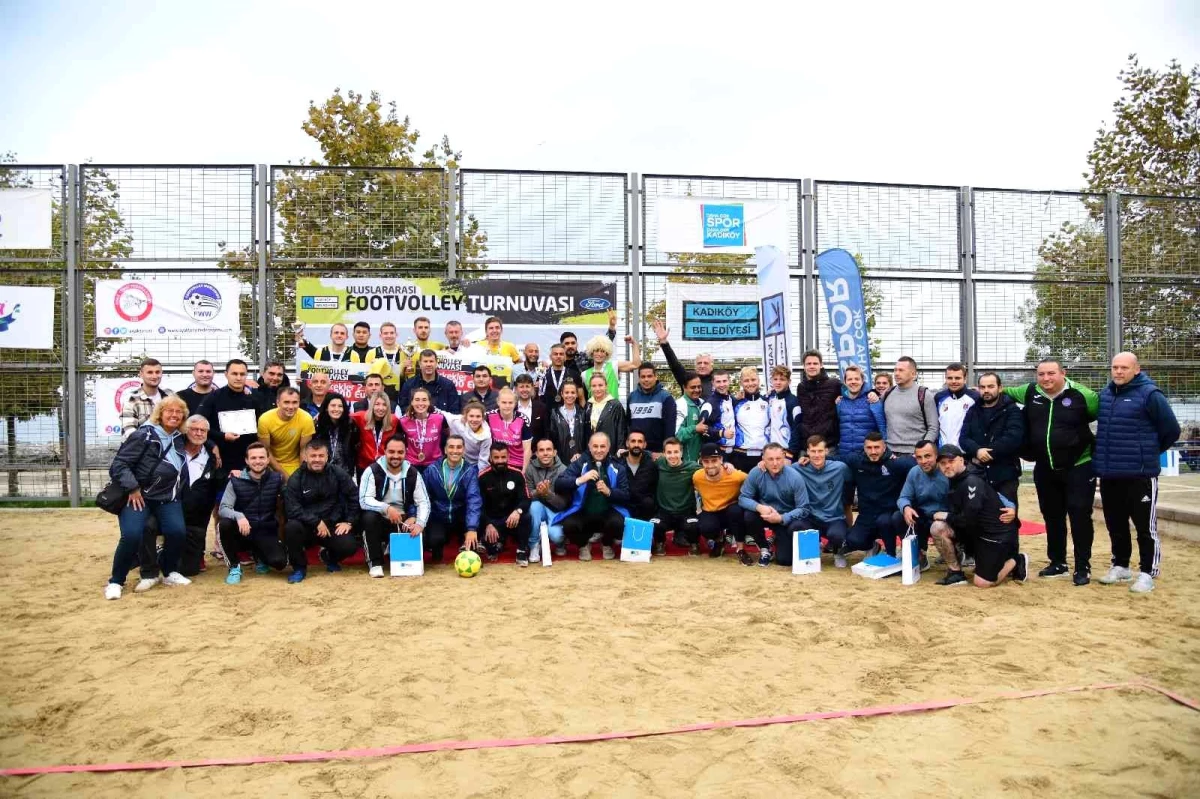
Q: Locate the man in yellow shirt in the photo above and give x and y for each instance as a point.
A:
(284, 431)
(493, 328)
(720, 514)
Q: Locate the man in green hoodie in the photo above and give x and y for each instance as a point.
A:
(676, 498)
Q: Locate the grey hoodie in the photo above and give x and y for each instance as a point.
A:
(536, 473)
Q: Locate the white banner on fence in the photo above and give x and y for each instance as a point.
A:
(26, 318)
(773, 289)
(718, 319)
(25, 216)
(167, 308)
(713, 224)
(110, 394)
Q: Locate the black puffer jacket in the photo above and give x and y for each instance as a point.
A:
(139, 463)
(818, 407)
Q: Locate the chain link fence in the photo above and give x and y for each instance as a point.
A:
(997, 278)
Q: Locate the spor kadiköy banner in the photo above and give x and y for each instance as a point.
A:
(167, 307)
(841, 284)
(714, 224)
(533, 311)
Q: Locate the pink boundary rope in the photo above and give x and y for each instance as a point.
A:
(505, 743)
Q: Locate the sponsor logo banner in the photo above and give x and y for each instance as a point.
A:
(27, 317)
(167, 307)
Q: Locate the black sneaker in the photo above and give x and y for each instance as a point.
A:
(1055, 570)
(716, 548)
(1021, 570)
(522, 558)
(764, 558)
(745, 558)
(953, 578)
(660, 548)
(1082, 577)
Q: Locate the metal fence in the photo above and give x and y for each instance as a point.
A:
(994, 278)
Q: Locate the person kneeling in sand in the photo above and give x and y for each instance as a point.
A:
(393, 499)
(979, 514)
(321, 503)
(599, 488)
(720, 519)
(248, 519)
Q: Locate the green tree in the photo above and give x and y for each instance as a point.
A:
(1151, 148)
(385, 202)
(27, 394)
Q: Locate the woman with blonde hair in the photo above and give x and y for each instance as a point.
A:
(376, 427)
(604, 414)
(510, 428)
(600, 350)
(147, 467)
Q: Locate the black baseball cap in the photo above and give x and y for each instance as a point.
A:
(711, 450)
(949, 451)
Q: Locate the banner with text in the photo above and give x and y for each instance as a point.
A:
(533, 311)
(707, 224)
(167, 308)
(25, 219)
(773, 289)
(26, 317)
(841, 285)
(719, 319)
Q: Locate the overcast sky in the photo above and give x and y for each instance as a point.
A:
(997, 94)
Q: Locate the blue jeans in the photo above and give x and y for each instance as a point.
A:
(539, 513)
(133, 525)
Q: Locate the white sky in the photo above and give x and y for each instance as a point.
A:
(958, 93)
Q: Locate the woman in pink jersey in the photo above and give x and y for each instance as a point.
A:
(423, 431)
(510, 428)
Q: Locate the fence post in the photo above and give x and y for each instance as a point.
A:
(72, 336)
(808, 253)
(452, 223)
(966, 263)
(1112, 234)
(634, 210)
(265, 291)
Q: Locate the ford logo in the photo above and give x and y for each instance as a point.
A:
(595, 304)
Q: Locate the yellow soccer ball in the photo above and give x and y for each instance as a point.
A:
(467, 564)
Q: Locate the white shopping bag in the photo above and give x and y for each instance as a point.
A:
(806, 552)
(544, 533)
(636, 541)
(910, 573)
(407, 554)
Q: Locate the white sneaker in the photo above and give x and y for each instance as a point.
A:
(608, 553)
(1117, 574)
(112, 591)
(1144, 584)
(535, 554)
(175, 578)
(144, 584)
(839, 561)
(376, 571)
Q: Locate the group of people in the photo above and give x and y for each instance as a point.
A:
(282, 469)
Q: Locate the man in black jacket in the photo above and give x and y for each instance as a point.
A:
(977, 513)
(197, 493)
(817, 394)
(248, 515)
(643, 481)
(273, 377)
(505, 507)
(556, 374)
(441, 388)
(993, 433)
(321, 503)
(529, 406)
(230, 448)
(481, 390)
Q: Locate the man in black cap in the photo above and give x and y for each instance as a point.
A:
(978, 514)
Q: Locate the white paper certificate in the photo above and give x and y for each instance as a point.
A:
(238, 422)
